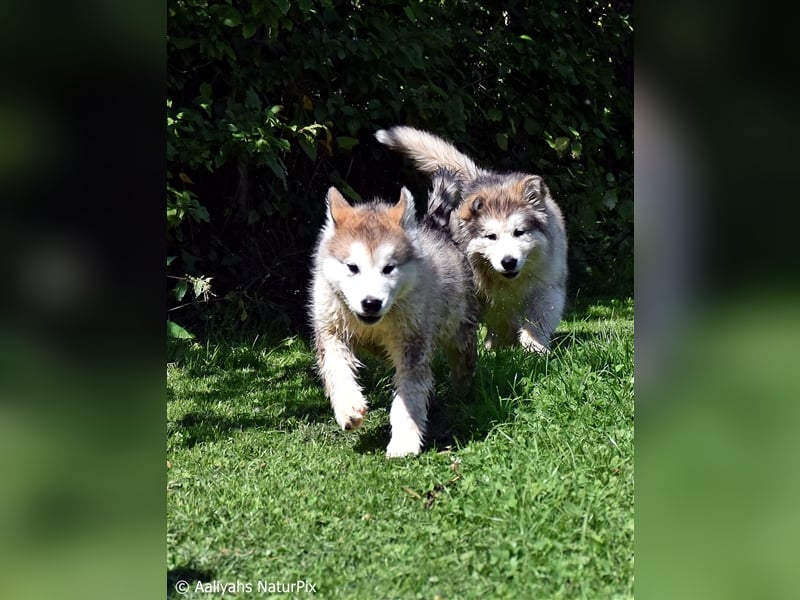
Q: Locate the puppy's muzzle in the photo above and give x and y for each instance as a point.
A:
(510, 264)
(371, 309)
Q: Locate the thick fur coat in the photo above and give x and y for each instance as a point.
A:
(512, 232)
(383, 282)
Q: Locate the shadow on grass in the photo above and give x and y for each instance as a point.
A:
(185, 578)
(259, 397)
(197, 427)
(457, 422)
(461, 421)
(372, 442)
(452, 421)
(588, 308)
(562, 342)
(248, 393)
(227, 398)
(242, 401)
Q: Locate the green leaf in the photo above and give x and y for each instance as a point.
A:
(559, 144)
(182, 43)
(251, 99)
(309, 146)
(502, 141)
(610, 199)
(531, 126)
(438, 90)
(201, 286)
(180, 289)
(230, 16)
(205, 90)
(249, 29)
(494, 114)
(277, 167)
(227, 51)
(346, 143)
(410, 14)
(258, 7)
(527, 38)
(175, 331)
(199, 213)
(170, 259)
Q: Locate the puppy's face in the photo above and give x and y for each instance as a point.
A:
(502, 224)
(506, 243)
(370, 259)
(369, 281)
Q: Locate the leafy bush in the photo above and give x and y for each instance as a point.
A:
(271, 102)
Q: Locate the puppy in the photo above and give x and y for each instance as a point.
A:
(511, 231)
(383, 282)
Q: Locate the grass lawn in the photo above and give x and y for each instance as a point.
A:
(525, 492)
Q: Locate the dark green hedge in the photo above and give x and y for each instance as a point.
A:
(270, 102)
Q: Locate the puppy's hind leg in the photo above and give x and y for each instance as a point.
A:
(462, 356)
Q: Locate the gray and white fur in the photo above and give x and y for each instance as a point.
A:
(512, 232)
(383, 282)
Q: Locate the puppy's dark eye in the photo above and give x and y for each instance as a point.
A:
(388, 269)
(519, 232)
(353, 268)
(491, 236)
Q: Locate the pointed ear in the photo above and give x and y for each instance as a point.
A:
(338, 207)
(534, 190)
(477, 205)
(404, 212)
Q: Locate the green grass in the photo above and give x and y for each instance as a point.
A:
(525, 492)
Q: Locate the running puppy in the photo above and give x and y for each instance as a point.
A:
(381, 281)
(511, 231)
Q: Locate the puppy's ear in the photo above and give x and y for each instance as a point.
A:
(338, 208)
(534, 189)
(404, 212)
(469, 209)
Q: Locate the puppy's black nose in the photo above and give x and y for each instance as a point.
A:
(371, 306)
(509, 263)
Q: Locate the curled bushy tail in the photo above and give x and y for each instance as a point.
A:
(429, 152)
(443, 198)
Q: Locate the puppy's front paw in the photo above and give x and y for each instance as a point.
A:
(532, 344)
(350, 415)
(403, 445)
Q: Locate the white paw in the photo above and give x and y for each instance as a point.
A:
(534, 346)
(531, 344)
(403, 445)
(350, 415)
